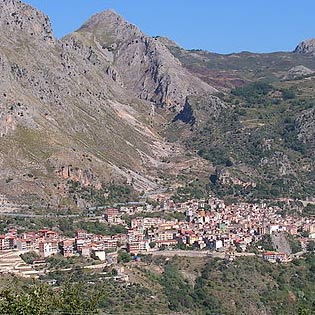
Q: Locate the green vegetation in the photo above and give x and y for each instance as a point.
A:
(196, 189)
(30, 257)
(58, 261)
(294, 243)
(265, 243)
(167, 215)
(254, 92)
(178, 291)
(258, 140)
(309, 210)
(42, 300)
(124, 257)
(101, 228)
(105, 196)
(194, 286)
(67, 226)
(250, 285)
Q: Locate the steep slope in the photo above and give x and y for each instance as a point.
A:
(66, 115)
(307, 47)
(261, 137)
(140, 63)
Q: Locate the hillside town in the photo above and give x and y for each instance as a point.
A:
(196, 225)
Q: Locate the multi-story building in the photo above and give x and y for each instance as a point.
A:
(137, 246)
(47, 248)
(67, 247)
(24, 244)
(111, 215)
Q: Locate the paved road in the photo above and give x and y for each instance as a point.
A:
(29, 215)
(183, 253)
(194, 253)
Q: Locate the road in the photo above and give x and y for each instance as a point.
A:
(194, 253)
(29, 215)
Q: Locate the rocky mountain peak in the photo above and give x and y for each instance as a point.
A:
(306, 47)
(18, 16)
(144, 64)
(109, 25)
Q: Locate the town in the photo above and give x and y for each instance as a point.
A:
(194, 227)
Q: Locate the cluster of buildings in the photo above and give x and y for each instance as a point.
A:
(211, 224)
(204, 224)
(47, 243)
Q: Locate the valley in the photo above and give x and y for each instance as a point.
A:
(139, 177)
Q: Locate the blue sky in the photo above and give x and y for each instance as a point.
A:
(222, 26)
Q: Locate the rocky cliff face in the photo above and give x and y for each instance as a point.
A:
(91, 108)
(297, 72)
(142, 64)
(306, 125)
(306, 47)
(16, 16)
(199, 109)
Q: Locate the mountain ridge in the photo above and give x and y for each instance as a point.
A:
(64, 107)
(108, 104)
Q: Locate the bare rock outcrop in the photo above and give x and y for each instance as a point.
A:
(306, 47)
(17, 16)
(144, 64)
(306, 126)
(298, 72)
(199, 109)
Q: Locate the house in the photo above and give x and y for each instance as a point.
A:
(111, 215)
(80, 243)
(67, 247)
(3, 243)
(109, 242)
(167, 235)
(29, 235)
(82, 234)
(218, 244)
(292, 229)
(7, 242)
(47, 248)
(98, 254)
(274, 256)
(137, 246)
(166, 243)
(26, 245)
(85, 251)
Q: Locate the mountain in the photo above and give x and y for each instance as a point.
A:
(262, 142)
(109, 109)
(306, 47)
(83, 108)
(227, 71)
(140, 63)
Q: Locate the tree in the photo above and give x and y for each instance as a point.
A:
(152, 244)
(288, 94)
(311, 246)
(41, 300)
(30, 257)
(123, 256)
